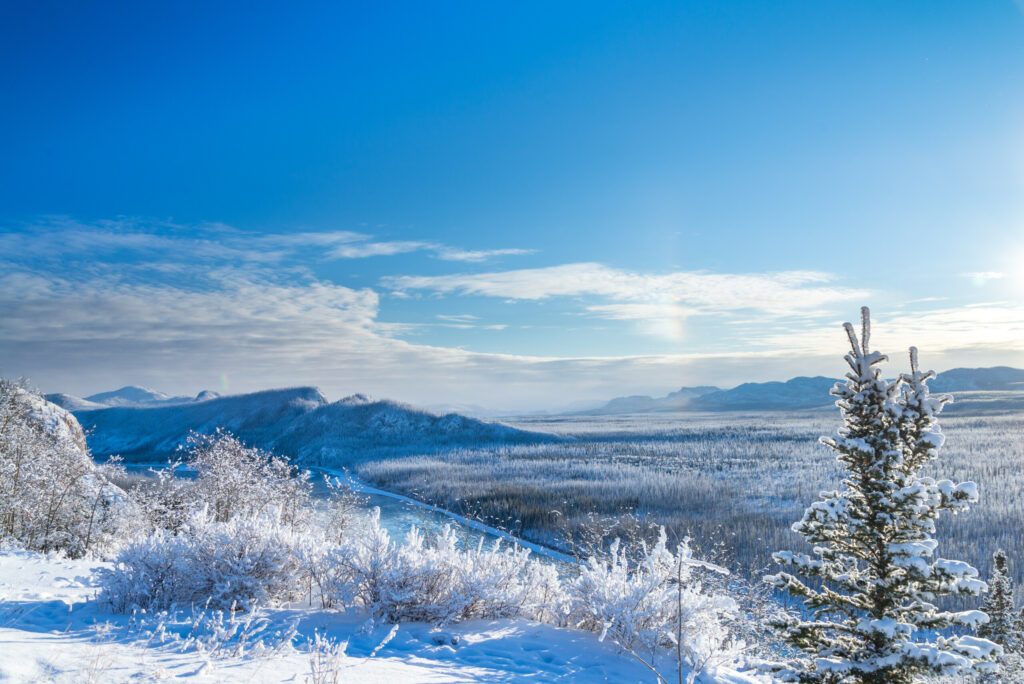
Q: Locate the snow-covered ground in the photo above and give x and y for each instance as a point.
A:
(53, 629)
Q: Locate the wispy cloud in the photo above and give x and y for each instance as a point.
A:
(57, 236)
(681, 292)
(474, 255)
(370, 249)
(457, 318)
(981, 278)
(361, 250)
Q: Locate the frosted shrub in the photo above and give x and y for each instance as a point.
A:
(52, 496)
(652, 603)
(165, 500)
(232, 480)
(236, 480)
(226, 565)
(148, 573)
(340, 509)
(326, 660)
(628, 604)
(436, 581)
(507, 582)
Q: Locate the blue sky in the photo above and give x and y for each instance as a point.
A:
(563, 200)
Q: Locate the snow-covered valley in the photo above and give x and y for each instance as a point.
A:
(237, 564)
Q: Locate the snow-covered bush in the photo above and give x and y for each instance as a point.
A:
(433, 580)
(339, 510)
(505, 581)
(165, 500)
(235, 564)
(52, 496)
(231, 480)
(654, 602)
(236, 480)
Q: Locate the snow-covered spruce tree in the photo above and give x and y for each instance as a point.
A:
(1018, 628)
(1001, 626)
(872, 574)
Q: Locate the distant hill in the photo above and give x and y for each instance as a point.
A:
(133, 396)
(72, 403)
(996, 379)
(978, 389)
(674, 401)
(206, 395)
(298, 422)
(129, 396)
(797, 393)
(982, 403)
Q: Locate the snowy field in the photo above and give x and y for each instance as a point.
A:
(53, 630)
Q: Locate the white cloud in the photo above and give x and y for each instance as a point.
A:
(981, 278)
(632, 312)
(306, 239)
(997, 327)
(369, 249)
(473, 255)
(458, 318)
(694, 291)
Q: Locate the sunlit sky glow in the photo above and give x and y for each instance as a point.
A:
(515, 206)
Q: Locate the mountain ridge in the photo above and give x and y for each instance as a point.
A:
(129, 396)
(297, 422)
(804, 392)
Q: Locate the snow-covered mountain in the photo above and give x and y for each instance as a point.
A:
(132, 395)
(298, 422)
(69, 402)
(796, 393)
(674, 401)
(998, 378)
(978, 389)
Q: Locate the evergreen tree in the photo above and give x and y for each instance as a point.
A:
(872, 575)
(1001, 626)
